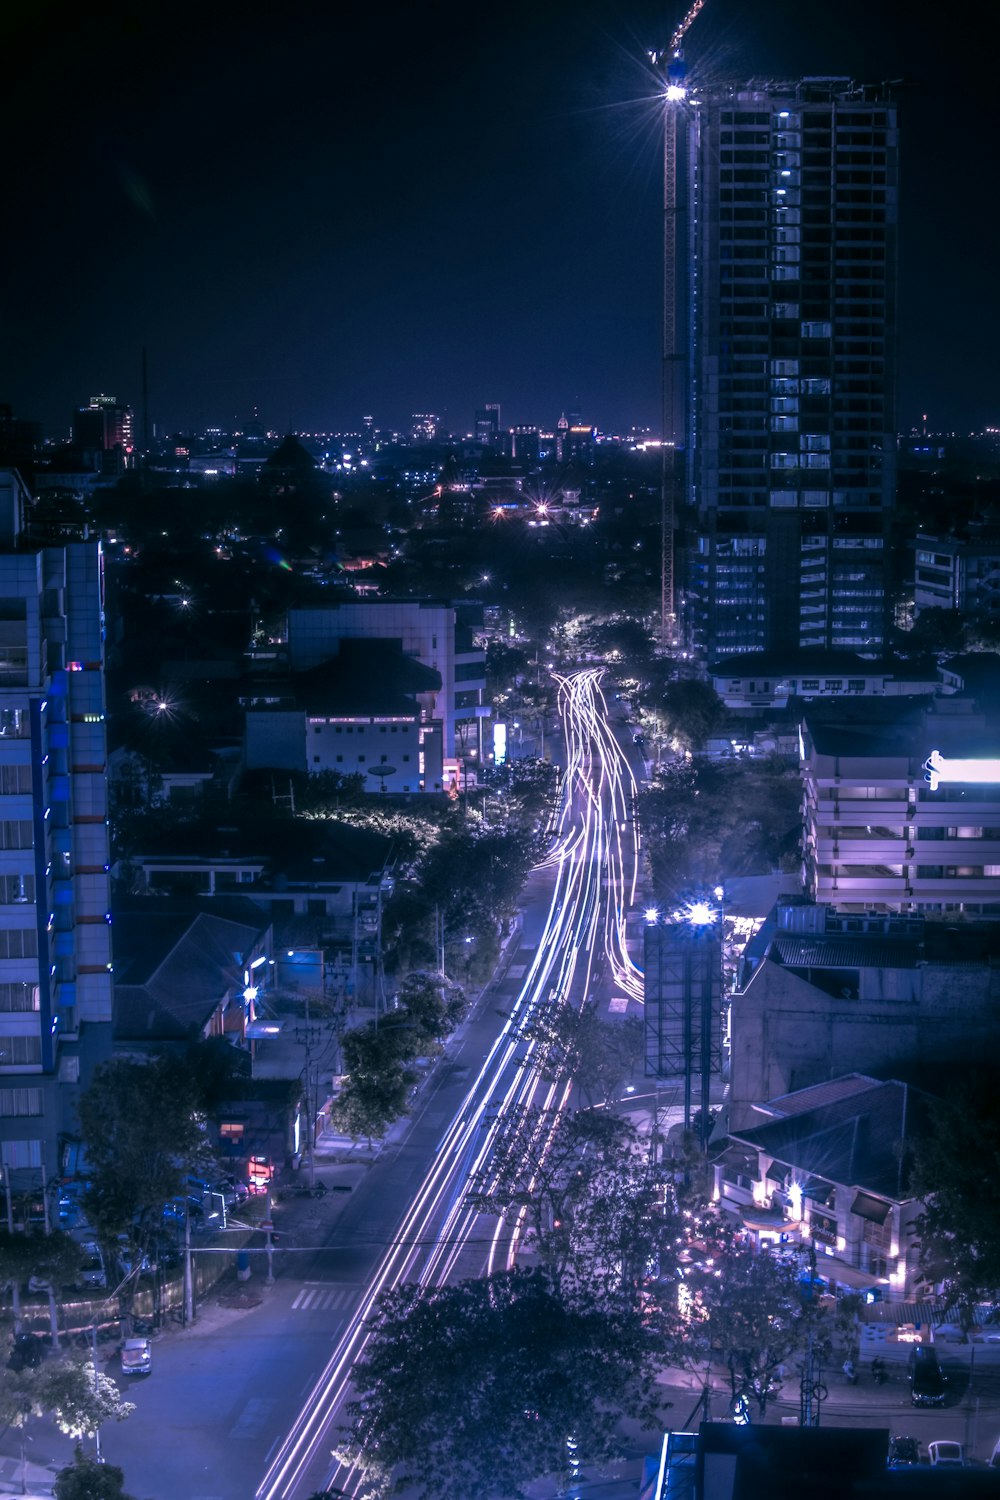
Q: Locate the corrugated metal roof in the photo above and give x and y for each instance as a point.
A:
(847, 952)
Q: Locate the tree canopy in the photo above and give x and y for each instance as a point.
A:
(474, 1389)
(955, 1170)
(703, 821)
(143, 1131)
(748, 1312)
(598, 1054)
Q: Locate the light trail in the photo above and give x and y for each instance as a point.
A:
(594, 865)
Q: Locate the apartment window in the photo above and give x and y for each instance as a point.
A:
(14, 724)
(19, 1155)
(16, 889)
(18, 942)
(810, 684)
(231, 1130)
(18, 997)
(20, 1051)
(15, 834)
(13, 664)
(833, 684)
(813, 328)
(855, 685)
(15, 779)
(20, 1102)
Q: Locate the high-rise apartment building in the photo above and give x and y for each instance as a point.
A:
(789, 307)
(55, 939)
(488, 424)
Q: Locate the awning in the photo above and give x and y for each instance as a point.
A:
(845, 1275)
(866, 1206)
(918, 1313)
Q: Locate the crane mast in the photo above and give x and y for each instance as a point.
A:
(674, 94)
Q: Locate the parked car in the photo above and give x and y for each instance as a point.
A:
(927, 1379)
(92, 1272)
(137, 1357)
(177, 1209)
(128, 1259)
(944, 1454)
(904, 1452)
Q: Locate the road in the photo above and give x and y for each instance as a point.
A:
(249, 1403)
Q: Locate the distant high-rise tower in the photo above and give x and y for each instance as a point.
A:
(103, 429)
(55, 938)
(488, 424)
(789, 303)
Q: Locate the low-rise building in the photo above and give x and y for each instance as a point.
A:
(770, 679)
(829, 1167)
(820, 992)
(366, 712)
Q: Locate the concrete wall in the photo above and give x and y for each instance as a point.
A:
(787, 1034)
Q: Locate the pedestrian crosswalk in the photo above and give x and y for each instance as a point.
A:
(325, 1296)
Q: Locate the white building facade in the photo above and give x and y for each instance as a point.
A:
(435, 633)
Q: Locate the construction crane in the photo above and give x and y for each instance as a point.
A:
(674, 94)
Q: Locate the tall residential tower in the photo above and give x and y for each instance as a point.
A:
(789, 304)
(55, 938)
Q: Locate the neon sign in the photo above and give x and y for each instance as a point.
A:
(938, 768)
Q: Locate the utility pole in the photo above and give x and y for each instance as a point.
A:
(188, 1267)
(97, 1430)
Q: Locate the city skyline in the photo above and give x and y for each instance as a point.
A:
(328, 220)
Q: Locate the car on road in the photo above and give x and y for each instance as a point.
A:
(927, 1379)
(137, 1357)
(91, 1272)
(944, 1454)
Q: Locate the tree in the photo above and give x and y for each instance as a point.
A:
(86, 1479)
(430, 1006)
(474, 1389)
(369, 1103)
(597, 1054)
(748, 1312)
(704, 821)
(545, 1165)
(143, 1132)
(692, 711)
(17, 1261)
(55, 1260)
(955, 1167)
(81, 1398)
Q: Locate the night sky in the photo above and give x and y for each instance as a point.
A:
(324, 211)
